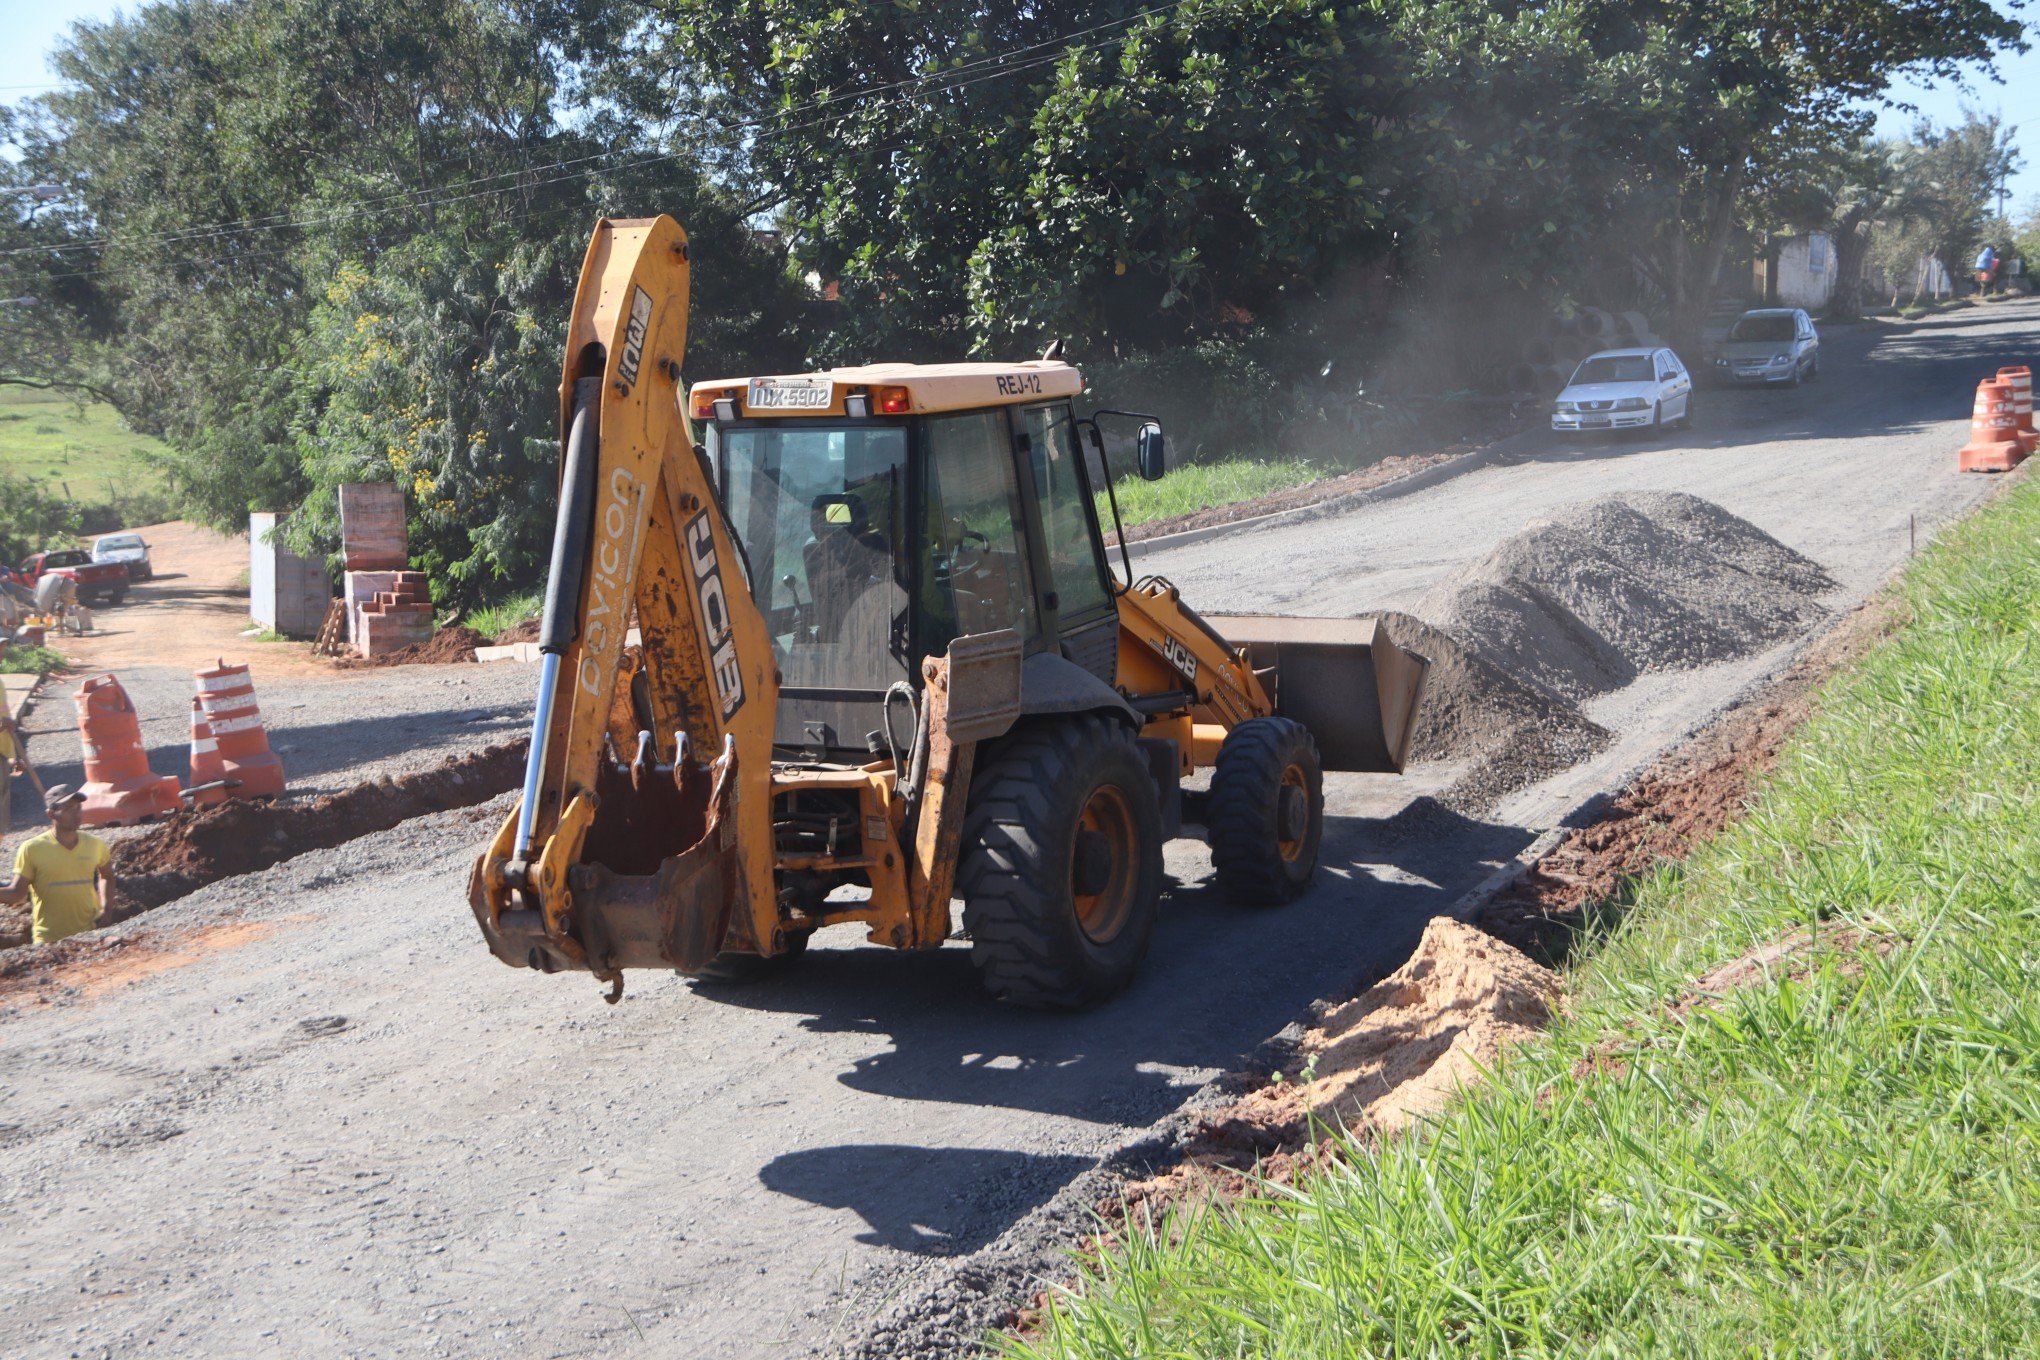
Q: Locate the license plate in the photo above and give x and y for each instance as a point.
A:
(1595, 423)
(788, 394)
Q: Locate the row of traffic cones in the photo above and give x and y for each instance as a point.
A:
(230, 755)
(2001, 433)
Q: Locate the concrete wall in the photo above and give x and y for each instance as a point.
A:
(1806, 271)
(285, 592)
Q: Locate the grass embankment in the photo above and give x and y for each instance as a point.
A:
(506, 613)
(1204, 486)
(46, 437)
(1840, 1159)
(26, 660)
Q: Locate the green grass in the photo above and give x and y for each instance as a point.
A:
(45, 437)
(1201, 486)
(26, 660)
(1845, 1161)
(506, 613)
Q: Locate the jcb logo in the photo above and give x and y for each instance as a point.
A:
(1177, 655)
(634, 334)
(714, 614)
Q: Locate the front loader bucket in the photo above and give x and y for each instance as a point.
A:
(1344, 679)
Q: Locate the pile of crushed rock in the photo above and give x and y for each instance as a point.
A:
(1581, 604)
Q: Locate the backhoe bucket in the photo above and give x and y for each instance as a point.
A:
(631, 906)
(1344, 679)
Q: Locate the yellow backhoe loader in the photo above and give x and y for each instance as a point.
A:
(884, 661)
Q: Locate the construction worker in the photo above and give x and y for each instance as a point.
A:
(68, 872)
(10, 766)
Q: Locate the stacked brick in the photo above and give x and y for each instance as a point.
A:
(388, 605)
(400, 616)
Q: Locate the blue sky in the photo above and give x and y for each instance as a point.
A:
(29, 28)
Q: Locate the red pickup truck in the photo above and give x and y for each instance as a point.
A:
(98, 582)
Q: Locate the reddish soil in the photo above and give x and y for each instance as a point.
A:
(1684, 799)
(201, 846)
(448, 645)
(85, 966)
(526, 631)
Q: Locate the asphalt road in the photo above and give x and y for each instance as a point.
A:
(329, 1124)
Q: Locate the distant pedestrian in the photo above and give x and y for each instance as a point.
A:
(68, 872)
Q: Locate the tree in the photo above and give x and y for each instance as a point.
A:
(245, 171)
(1734, 87)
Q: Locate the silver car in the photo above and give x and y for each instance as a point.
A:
(127, 549)
(1769, 345)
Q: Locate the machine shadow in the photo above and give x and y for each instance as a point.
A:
(1219, 980)
(928, 1201)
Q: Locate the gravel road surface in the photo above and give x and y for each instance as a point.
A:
(314, 1117)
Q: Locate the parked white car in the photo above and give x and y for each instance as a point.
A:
(1625, 389)
(127, 549)
(1769, 345)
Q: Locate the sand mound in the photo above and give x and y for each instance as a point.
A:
(1401, 1049)
(1581, 603)
(1508, 731)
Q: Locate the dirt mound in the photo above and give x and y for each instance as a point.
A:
(1510, 732)
(1581, 603)
(447, 646)
(526, 631)
(1395, 1053)
(202, 846)
(1400, 1049)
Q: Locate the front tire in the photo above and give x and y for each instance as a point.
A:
(1061, 868)
(1265, 815)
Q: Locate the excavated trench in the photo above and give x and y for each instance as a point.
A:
(191, 849)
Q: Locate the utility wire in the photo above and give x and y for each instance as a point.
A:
(931, 84)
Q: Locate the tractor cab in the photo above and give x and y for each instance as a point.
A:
(884, 511)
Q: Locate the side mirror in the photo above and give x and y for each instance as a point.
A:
(1151, 453)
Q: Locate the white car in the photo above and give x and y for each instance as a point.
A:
(1625, 389)
(127, 549)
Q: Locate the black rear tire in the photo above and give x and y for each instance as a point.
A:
(1061, 863)
(1265, 815)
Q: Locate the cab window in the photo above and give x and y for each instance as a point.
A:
(1075, 562)
(974, 576)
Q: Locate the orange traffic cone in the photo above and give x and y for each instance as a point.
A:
(2021, 379)
(228, 696)
(1993, 431)
(205, 761)
(119, 787)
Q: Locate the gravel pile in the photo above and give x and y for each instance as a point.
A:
(1579, 605)
(1509, 731)
(1583, 602)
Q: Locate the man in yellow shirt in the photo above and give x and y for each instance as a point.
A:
(68, 872)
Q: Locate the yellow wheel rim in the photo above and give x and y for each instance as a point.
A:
(1292, 778)
(1103, 914)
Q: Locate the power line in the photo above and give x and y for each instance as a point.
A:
(934, 83)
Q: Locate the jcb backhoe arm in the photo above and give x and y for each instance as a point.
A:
(665, 860)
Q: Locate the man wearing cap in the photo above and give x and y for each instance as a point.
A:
(67, 871)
